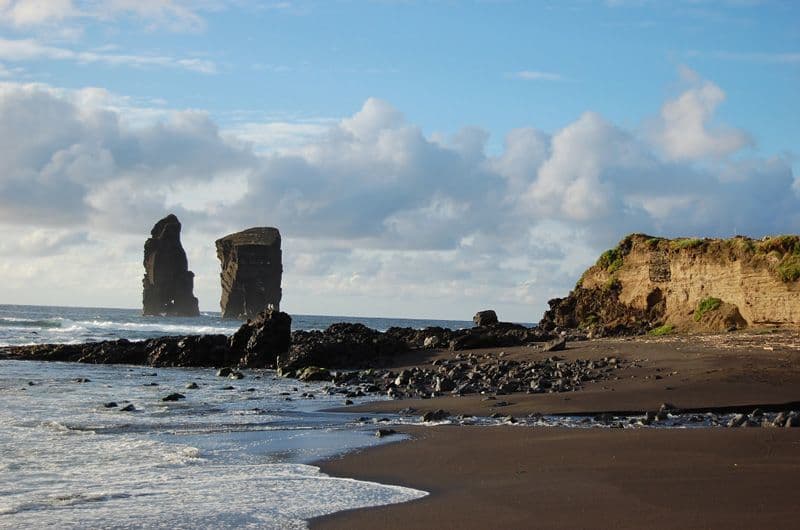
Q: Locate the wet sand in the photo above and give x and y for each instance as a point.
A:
(523, 477)
(517, 477)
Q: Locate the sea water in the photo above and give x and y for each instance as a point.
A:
(232, 453)
(70, 325)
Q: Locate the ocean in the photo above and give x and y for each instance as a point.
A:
(232, 454)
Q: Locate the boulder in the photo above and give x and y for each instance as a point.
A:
(259, 341)
(251, 272)
(314, 373)
(485, 318)
(557, 344)
(168, 282)
(342, 345)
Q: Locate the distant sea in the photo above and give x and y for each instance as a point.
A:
(24, 324)
(231, 454)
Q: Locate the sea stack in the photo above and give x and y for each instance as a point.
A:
(167, 282)
(251, 272)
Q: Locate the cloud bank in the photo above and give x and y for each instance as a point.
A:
(377, 217)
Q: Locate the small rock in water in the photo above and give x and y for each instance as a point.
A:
(192, 385)
(348, 401)
(110, 404)
(436, 415)
(236, 375)
(229, 387)
(380, 433)
(224, 372)
(81, 380)
(128, 408)
(175, 396)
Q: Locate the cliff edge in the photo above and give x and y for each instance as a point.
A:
(657, 285)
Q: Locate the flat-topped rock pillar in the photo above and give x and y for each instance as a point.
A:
(251, 272)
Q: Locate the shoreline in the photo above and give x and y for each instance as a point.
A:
(551, 477)
(557, 477)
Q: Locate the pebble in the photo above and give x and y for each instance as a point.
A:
(380, 433)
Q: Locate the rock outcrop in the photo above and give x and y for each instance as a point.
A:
(251, 272)
(341, 345)
(168, 282)
(485, 318)
(654, 284)
(259, 341)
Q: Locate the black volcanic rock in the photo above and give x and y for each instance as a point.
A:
(485, 318)
(259, 341)
(168, 282)
(342, 345)
(251, 272)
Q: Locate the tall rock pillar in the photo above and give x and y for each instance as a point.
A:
(251, 272)
(167, 281)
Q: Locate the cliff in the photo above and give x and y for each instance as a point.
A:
(251, 272)
(168, 283)
(659, 285)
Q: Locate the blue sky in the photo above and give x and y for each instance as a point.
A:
(469, 153)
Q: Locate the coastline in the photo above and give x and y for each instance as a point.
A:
(554, 477)
(703, 372)
(516, 477)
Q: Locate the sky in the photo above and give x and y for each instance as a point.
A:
(421, 158)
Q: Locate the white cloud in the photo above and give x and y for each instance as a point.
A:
(172, 14)
(376, 216)
(685, 130)
(21, 50)
(535, 75)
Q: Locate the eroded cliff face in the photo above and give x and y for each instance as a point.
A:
(168, 282)
(686, 285)
(251, 272)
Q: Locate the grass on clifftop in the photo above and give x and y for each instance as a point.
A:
(789, 268)
(706, 305)
(611, 260)
(684, 243)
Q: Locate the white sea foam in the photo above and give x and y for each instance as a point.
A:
(219, 459)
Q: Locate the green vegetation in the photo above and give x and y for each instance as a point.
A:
(660, 331)
(685, 242)
(747, 245)
(611, 260)
(653, 242)
(786, 250)
(780, 244)
(789, 268)
(706, 305)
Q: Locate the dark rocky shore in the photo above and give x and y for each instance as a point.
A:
(354, 356)
(360, 361)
